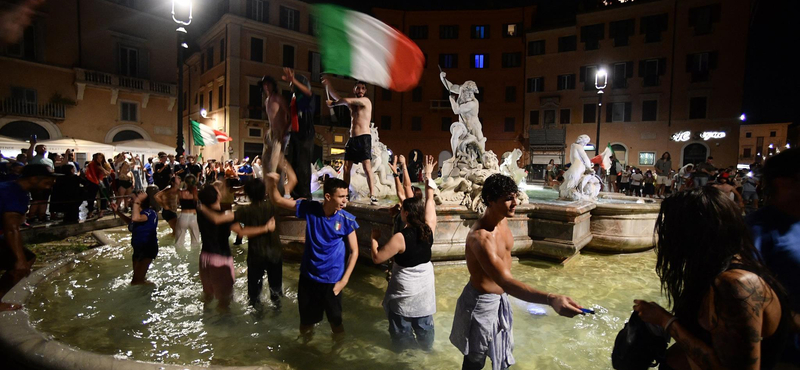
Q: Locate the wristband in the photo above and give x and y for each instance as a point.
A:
(395, 174)
(669, 322)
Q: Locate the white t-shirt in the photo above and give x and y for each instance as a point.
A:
(257, 172)
(636, 179)
(626, 177)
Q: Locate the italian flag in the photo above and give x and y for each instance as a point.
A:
(204, 135)
(357, 45)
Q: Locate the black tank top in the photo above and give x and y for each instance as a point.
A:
(416, 252)
(188, 204)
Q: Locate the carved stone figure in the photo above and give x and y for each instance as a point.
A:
(580, 181)
(510, 168)
(466, 106)
(384, 186)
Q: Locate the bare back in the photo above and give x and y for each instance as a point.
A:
(480, 242)
(360, 116)
(278, 114)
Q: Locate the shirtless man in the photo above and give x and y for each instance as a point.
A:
(482, 322)
(278, 134)
(724, 185)
(359, 146)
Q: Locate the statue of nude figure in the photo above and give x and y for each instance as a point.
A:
(466, 107)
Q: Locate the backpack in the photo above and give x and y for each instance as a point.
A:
(638, 345)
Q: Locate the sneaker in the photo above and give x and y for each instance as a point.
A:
(373, 200)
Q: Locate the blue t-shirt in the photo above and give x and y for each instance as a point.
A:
(323, 257)
(245, 172)
(144, 233)
(12, 199)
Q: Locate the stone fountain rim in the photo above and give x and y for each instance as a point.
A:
(20, 340)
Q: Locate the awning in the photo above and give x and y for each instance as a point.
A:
(78, 145)
(142, 146)
(11, 147)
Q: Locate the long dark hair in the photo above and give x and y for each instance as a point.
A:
(416, 218)
(699, 233)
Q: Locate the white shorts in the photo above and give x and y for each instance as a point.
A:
(662, 180)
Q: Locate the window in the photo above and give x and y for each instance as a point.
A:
(313, 26)
(254, 132)
(416, 94)
(210, 57)
(290, 19)
(566, 82)
(512, 30)
(202, 64)
(564, 116)
(314, 66)
(288, 56)
(618, 112)
(448, 60)
(221, 97)
(536, 84)
(534, 117)
(652, 26)
(647, 158)
(511, 60)
(567, 43)
(536, 47)
(700, 64)
(773, 134)
(747, 152)
(587, 77)
(620, 74)
(480, 61)
(697, 107)
(748, 134)
(210, 100)
(416, 123)
(591, 36)
(621, 31)
(386, 122)
(418, 32)
(448, 32)
(202, 101)
(703, 18)
(510, 124)
(446, 122)
(256, 49)
(589, 113)
(511, 94)
(480, 32)
(651, 69)
(649, 110)
(549, 117)
(128, 61)
(24, 95)
(221, 50)
(26, 47)
(386, 94)
(258, 10)
(195, 98)
(128, 111)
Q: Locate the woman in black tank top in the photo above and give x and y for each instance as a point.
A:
(726, 306)
(410, 300)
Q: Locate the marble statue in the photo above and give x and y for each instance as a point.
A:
(381, 174)
(510, 168)
(466, 106)
(580, 180)
(318, 175)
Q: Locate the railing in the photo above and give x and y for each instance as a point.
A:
(23, 108)
(103, 79)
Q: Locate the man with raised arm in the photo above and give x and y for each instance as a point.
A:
(482, 322)
(324, 271)
(278, 134)
(359, 147)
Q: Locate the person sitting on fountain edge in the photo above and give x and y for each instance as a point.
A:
(482, 321)
(144, 239)
(324, 272)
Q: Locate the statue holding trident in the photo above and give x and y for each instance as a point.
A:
(466, 107)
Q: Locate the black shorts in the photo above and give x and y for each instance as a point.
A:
(145, 251)
(7, 257)
(358, 149)
(314, 298)
(168, 215)
(124, 184)
(40, 194)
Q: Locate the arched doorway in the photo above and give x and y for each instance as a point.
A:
(23, 130)
(694, 153)
(126, 135)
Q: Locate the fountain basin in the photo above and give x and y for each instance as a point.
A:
(621, 225)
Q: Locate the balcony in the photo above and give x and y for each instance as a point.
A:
(133, 84)
(53, 111)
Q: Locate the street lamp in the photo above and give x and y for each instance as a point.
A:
(600, 83)
(182, 15)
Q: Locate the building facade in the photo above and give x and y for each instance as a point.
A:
(88, 69)
(675, 80)
(762, 140)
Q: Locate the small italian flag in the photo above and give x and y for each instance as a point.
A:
(204, 135)
(357, 45)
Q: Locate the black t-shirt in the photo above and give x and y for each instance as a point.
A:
(416, 252)
(215, 237)
(195, 170)
(161, 178)
(180, 167)
(265, 245)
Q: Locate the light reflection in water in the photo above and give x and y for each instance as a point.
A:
(94, 308)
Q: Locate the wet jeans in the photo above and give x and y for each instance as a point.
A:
(403, 329)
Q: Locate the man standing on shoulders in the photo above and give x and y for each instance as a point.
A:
(15, 259)
(482, 322)
(301, 141)
(359, 147)
(278, 134)
(324, 271)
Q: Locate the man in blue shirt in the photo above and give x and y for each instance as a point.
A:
(245, 172)
(776, 232)
(148, 168)
(143, 225)
(15, 259)
(323, 272)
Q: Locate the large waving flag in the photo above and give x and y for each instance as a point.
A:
(204, 135)
(357, 45)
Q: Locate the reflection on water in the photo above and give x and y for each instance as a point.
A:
(94, 308)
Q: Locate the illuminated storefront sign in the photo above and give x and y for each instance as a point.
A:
(712, 135)
(681, 136)
(705, 135)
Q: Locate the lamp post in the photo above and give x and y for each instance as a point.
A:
(182, 15)
(600, 83)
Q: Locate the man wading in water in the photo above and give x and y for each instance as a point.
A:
(482, 322)
(359, 147)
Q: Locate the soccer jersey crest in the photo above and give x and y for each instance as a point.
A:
(338, 225)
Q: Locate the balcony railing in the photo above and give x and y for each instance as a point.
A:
(23, 108)
(110, 80)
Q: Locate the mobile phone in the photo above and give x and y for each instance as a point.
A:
(588, 310)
